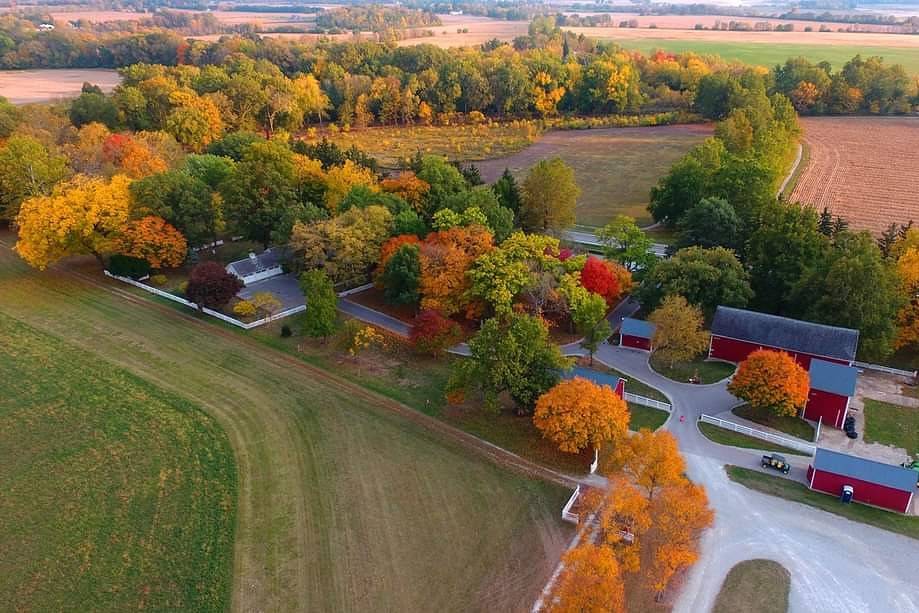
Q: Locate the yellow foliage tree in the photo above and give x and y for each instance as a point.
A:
(266, 303)
(577, 413)
(590, 582)
(153, 239)
(771, 380)
(678, 334)
(651, 460)
(83, 216)
(340, 180)
(908, 271)
(408, 187)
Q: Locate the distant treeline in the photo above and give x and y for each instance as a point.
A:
(375, 18)
(274, 8)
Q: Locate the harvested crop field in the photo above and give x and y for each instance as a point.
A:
(47, 85)
(615, 167)
(863, 169)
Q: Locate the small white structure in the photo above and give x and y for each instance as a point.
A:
(259, 267)
(45, 27)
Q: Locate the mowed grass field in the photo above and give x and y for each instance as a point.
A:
(343, 505)
(615, 167)
(114, 494)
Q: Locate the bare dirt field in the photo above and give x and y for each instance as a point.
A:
(688, 22)
(481, 29)
(863, 169)
(25, 86)
(615, 167)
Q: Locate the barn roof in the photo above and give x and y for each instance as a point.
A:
(784, 333)
(637, 327)
(595, 376)
(894, 477)
(833, 378)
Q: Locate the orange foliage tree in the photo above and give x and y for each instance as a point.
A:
(445, 257)
(624, 517)
(590, 582)
(908, 271)
(577, 413)
(408, 187)
(771, 380)
(135, 158)
(650, 459)
(391, 246)
(153, 239)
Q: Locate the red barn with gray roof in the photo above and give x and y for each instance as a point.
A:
(831, 389)
(636, 334)
(874, 483)
(736, 333)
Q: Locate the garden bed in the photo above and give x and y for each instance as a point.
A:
(794, 426)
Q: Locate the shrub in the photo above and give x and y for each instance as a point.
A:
(158, 280)
(285, 331)
(210, 285)
(183, 288)
(127, 266)
(244, 308)
(432, 333)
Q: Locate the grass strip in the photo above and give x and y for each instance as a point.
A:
(754, 586)
(723, 436)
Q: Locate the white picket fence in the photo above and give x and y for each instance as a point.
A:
(230, 320)
(648, 402)
(760, 434)
(355, 290)
(567, 515)
(886, 369)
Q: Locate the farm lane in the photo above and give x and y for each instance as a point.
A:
(838, 565)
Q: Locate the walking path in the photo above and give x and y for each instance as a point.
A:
(836, 565)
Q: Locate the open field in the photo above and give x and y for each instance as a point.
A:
(480, 30)
(892, 424)
(343, 502)
(116, 494)
(798, 492)
(862, 169)
(755, 586)
(47, 85)
(689, 22)
(615, 167)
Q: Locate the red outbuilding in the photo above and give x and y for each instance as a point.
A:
(636, 334)
(832, 388)
(736, 333)
(874, 483)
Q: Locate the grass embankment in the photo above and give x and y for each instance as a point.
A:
(708, 372)
(116, 494)
(795, 426)
(724, 436)
(798, 492)
(892, 424)
(341, 501)
(754, 586)
(798, 170)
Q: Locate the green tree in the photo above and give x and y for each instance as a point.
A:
(263, 187)
(213, 170)
(9, 117)
(27, 169)
(548, 197)
(712, 222)
(513, 355)
(707, 278)
(401, 276)
(445, 181)
(626, 243)
(321, 316)
(590, 321)
(93, 106)
(179, 198)
(854, 287)
(507, 191)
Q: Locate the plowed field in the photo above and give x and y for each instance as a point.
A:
(865, 169)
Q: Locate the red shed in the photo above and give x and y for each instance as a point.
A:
(874, 483)
(636, 334)
(832, 386)
(736, 333)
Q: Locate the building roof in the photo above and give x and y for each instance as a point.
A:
(595, 376)
(637, 327)
(784, 333)
(256, 263)
(894, 477)
(833, 378)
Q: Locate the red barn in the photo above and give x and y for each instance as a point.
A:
(737, 333)
(874, 483)
(832, 387)
(636, 334)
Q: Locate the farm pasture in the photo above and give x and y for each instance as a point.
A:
(343, 504)
(862, 169)
(48, 85)
(615, 167)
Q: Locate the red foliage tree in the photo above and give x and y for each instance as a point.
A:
(392, 246)
(432, 333)
(599, 277)
(211, 286)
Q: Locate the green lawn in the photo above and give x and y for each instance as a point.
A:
(724, 436)
(116, 494)
(754, 586)
(798, 492)
(708, 372)
(646, 417)
(776, 53)
(341, 500)
(795, 426)
(891, 424)
(635, 386)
